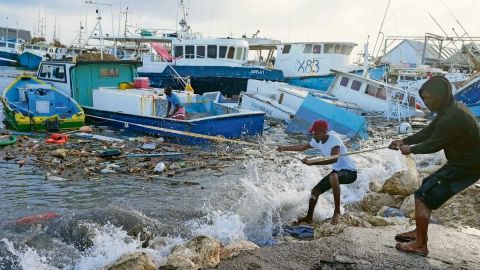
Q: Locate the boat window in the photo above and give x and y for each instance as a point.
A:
(328, 48)
(200, 51)
(411, 101)
(349, 50)
(356, 85)
(317, 49)
(286, 49)
(189, 51)
(344, 81)
(371, 90)
(11, 45)
(110, 72)
(307, 48)
(45, 71)
(222, 51)
(29, 47)
(35, 47)
(244, 54)
(346, 50)
(3, 44)
(381, 93)
(59, 72)
(45, 49)
(212, 51)
(338, 47)
(178, 51)
(238, 55)
(231, 52)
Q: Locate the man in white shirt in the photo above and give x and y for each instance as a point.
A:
(344, 170)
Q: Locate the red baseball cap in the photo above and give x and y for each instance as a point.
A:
(319, 125)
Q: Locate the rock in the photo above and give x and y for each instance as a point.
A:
(133, 261)
(408, 206)
(179, 262)
(386, 221)
(326, 229)
(372, 202)
(233, 249)
(158, 242)
(405, 182)
(202, 251)
(59, 153)
(401, 183)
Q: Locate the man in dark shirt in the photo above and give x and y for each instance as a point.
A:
(454, 130)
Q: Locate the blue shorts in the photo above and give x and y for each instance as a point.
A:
(443, 184)
(344, 177)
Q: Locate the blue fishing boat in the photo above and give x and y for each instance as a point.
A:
(98, 86)
(469, 93)
(30, 104)
(9, 51)
(30, 60)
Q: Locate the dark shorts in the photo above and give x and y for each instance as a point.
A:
(344, 177)
(443, 184)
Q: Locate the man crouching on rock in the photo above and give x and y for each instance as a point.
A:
(454, 130)
(344, 170)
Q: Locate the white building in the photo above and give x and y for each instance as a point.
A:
(414, 53)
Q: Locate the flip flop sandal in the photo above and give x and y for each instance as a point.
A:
(401, 238)
(410, 250)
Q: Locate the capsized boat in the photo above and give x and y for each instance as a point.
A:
(31, 104)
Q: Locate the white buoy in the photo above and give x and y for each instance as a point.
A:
(404, 128)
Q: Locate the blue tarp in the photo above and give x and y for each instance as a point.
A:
(339, 119)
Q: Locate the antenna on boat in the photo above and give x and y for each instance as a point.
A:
(98, 25)
(380, 31)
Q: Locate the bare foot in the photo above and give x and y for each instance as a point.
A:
(413, 247)
(406, 236)
(335, 219)
(304, 220)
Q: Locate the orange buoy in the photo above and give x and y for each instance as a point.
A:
(36, 218)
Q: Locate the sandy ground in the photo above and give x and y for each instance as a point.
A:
(365, 248)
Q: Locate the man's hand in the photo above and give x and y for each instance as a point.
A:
(396, 144)
(405, 149)
(280, 149)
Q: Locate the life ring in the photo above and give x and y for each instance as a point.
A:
(57, 138)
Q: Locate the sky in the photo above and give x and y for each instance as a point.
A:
(356, 21)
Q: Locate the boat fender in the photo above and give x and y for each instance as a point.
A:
(404, 128)
(57, 138)
(36, 218)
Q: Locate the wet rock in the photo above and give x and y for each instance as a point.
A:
(386, 221)
(202, 251)
(408, 206)
(107, 171)
(179, 262)
(326, 229)
(133, 261)
(59, 153)
(401, 183)
(233, 249)
(160, 167)
(372, 202)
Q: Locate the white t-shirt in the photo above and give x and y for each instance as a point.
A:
(343, 162)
